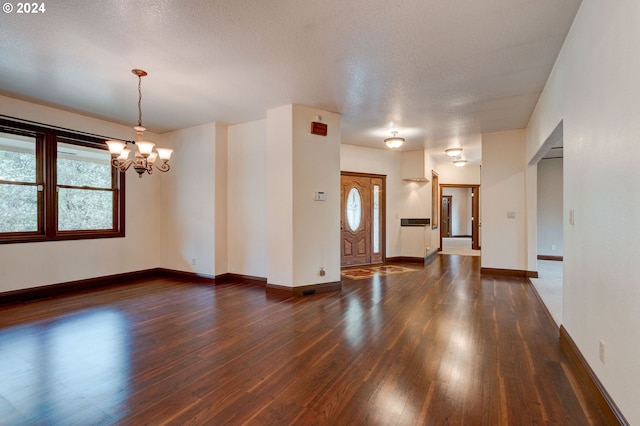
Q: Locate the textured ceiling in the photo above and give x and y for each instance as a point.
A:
(441, 72)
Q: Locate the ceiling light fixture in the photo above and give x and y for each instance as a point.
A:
(453, 152)
(145, 156)
(394, 141)
(460, 163)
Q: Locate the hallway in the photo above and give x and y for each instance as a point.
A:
(460, 246)
(549, 287)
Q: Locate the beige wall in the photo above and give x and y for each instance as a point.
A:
(504, 239)
(303, 235)
(28, 265)
(594, 90)
(187, 202)
(549, 203)
(247, 220)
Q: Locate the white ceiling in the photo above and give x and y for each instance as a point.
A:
(440, 72)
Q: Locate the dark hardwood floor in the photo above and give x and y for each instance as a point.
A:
(441, 345)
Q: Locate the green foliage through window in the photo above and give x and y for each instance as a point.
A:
(56, 185)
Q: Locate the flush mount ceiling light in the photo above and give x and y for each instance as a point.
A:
(453, 152)
(145, 156)
(459, 163)
(394, 141)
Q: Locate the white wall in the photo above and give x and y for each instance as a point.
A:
(415, 202)
(316, 167)
(221, 196)
(247, 220)
(594, 89)
(303, 234)
(188, 219)
(504, 239)
(460, 210)
(279, 181)
(549, 202)
(467, 175)
(28, 265)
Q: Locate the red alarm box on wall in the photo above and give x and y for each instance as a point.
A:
(318, 128)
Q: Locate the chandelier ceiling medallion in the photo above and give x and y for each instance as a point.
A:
(394, 141)
(145, 157)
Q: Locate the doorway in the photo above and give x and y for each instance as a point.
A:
(362, 218)
(467, 226)
(549, 164)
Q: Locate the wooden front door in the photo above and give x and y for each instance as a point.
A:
(362, 215)
(445, 212)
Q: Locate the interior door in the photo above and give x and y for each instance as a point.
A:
(445, 216)
(475, 218)
(355, 220)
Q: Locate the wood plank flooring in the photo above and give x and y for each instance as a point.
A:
(441, 345)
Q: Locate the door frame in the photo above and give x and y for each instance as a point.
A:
(383, 210)
(475, 208)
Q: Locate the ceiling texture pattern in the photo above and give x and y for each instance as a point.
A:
(440, 72)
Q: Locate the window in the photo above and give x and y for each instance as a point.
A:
(56, 185)
(354, 209)
(376, 219)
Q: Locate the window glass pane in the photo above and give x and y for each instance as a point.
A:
(354, 209)
(82, 209)
(17, 158)
(376, 218)
(83, 166)
(18, 208)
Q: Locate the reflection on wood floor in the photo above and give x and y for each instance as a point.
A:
(442, 345)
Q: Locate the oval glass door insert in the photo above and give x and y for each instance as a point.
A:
(354, 209)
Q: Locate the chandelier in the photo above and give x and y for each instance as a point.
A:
(395, 141)
(145, 156)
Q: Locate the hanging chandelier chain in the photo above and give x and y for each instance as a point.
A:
(139, 100)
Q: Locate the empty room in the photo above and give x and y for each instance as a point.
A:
(319, 212)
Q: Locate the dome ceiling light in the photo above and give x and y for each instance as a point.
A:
(453, 152)
(394, 141)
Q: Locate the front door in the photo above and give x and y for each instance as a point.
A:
(361, 221)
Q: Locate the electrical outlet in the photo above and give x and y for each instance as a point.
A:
(553, 247)
(193, 261)
(602, 352)
(571, 217)
(511, 215)
(322, 273)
